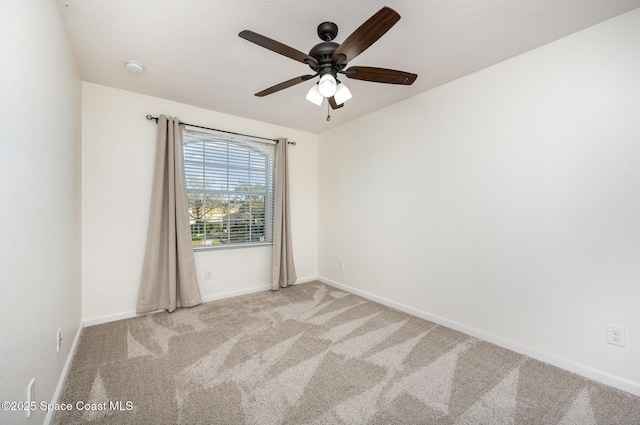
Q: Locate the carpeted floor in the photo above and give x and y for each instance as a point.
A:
(313, 354)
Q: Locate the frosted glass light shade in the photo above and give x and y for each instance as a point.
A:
(314, 96)
(342, 94)
(327, 85)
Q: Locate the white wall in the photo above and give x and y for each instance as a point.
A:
(117, 165)
(40, 287)
(506, 203)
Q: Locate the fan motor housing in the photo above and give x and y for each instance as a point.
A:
(323, 51)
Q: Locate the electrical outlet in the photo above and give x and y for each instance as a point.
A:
(208, 274)
(58, 340)
(615, 335)
(31, 395)
(341, 266)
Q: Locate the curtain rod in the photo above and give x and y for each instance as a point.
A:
(150, 117)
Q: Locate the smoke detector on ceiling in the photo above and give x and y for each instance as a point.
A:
(134, 67)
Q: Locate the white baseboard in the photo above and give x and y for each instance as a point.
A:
(98, 320)
(63, 375)
(236, 293)
(305, 279)
(577, 368)
(252, 290)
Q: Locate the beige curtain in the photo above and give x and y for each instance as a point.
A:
(284, 272)
(169, 273)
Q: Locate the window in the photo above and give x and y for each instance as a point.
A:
(230, 185)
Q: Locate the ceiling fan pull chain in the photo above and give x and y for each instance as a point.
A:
(328, 112)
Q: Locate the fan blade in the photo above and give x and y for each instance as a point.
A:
(380, 75)
(284, 85)
(367, 34)
(334, 105)
(276, 46)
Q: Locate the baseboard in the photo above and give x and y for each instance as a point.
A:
(236, 293)
(63, 375)
(98, 320)
(252, 290)
(577, 368)
(305, 279)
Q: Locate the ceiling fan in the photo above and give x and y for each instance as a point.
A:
(328, 59)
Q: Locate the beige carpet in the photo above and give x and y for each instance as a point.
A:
(313, 354)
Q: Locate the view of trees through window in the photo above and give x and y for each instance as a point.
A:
(230, 190)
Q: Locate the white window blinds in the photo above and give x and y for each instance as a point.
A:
(230, 185)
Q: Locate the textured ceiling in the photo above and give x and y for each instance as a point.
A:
(192, 52)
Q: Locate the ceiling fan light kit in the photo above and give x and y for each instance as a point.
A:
(342, 94)
(314, 95)
(327, 85)
(328, 59)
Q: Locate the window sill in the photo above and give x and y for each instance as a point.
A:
(230, 246)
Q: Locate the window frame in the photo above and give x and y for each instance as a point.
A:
(265, 150)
